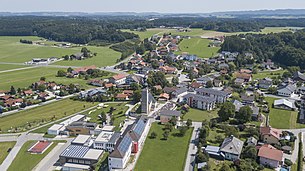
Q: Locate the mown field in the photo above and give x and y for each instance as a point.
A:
(4, 146)
(164, 155)
(198, 46)
(197, 115)
(47, 113)
(269, 74)
(4, 67)
(24, 78)
(11, 50)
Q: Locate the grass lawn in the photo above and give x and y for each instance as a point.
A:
(42, 114)
(198, 46)
(197, 115)
(119, 114)
(212, 140)
(4, 146)
(270, 74)
(11, 50)
(25, 161)
(164, 155)
(283, 119)
(4, 67)
(24, 78)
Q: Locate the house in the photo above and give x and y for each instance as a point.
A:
(286, 90)
(245, 76)
(283, 104)
(199, 102)
(148, 102)
(265, 83)
(164, 97)
(231, 147)
(166, 115)
(268, 65)
(179, 92)
(204, 80)
(81, 127)
(98, 83)
(270, 156)
(218, 95)
(122, 96)
(239, 81)
(118, 79)
(270, 135)
(189, 57)
(298, 76)
(237, 105)
(247, 99)
(27, 92)
(217, 83)
(82, 69)
(134, 79)
(168, 69)
(255, 113)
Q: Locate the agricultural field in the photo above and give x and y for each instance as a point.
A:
(199, 47)
(25, 161)
(162, 155)
(4, 146)
(282, 119)
(11, 50)
(34, 117)
(24, 78)
(197, 115)
(119, 113)
(4, 67)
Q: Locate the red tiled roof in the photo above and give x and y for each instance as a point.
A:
(243, 76)
(271, 131)
(28, 92)
(121, 96)
(84, 69)
(164, 95)
(119, 76)
(270, 152)
(108, 85)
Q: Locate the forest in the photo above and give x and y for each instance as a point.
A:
(286, 48)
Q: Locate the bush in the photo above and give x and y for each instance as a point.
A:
(288, 162)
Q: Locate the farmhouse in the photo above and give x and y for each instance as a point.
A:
(168, 69)
(118, 79)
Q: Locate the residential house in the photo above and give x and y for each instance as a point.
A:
(298, 76)
(218, 95)
(232, 148)
(247, 100)
(268, 65)
(245, 76)
(134, 79)
(251, 141)
(122, 96)
(199, 101)
(118, 79)
(168, 69)
(284, 104)
(204, 80)
(286, 90)
(166, 115)
(265, 83)
(270, 135)
(179, 92)
(98, 83)
(164, 97)
(270, 156)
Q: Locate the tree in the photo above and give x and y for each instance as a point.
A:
(272, 90)
(42, 78)
(41, 88)
(168, 126)
(209, 84)
(225, 167)
(153, 135)
(182, 130)
(244, 114)
(249, 152)
(12, 91)
(165, 134)
(226, 111)
(175, 81)
(137, 95)
(189, 123)
(173, 121)
(201, 156)
(140, 49)
(61, 73)
(231, 130)
(69, 70)
(104, 117)
(135, 86)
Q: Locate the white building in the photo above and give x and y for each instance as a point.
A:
(106, 140)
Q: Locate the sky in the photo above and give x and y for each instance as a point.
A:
(164, 6)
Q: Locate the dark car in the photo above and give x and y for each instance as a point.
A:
(9, 150)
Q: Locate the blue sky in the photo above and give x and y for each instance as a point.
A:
(172, 6)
